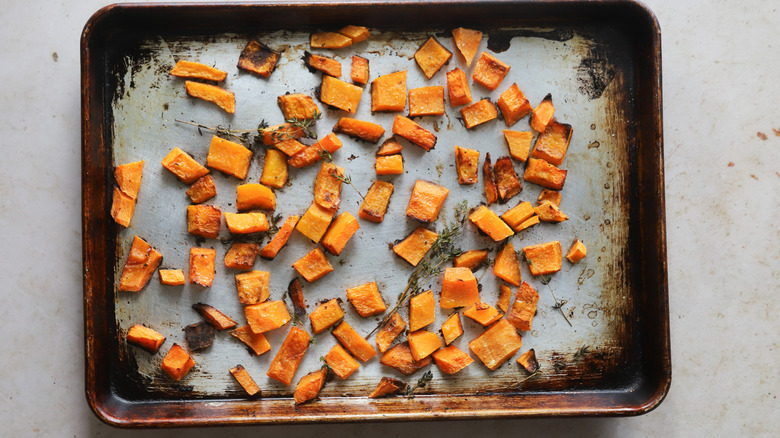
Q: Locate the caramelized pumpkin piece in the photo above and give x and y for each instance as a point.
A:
(252, 287)
(329, 40)
(451, 328)
(272, 248)
(246, 223)
(504, 297)
(289, 357)
(196, 70)
(203, 220)
(314, 222)
(359, 73)
(467, 165)
(341, 362)
(450, 359)
(576, 252)
(410, 130)
(524, 308)
(426, 101)
(141, 263)
(267, 316)
(389, 165)
(388, 92)
(340, 231)
(340, 94)
(483, 313)
(327, 186)
(431, 57)
(245, 380)
(329, 66)
(366, 299)
(316, 152)
(353, 342)
(549, 212)
(171, 277)
(310, 386)
(144, 337)
(489, 71)
(290, 146)
(426, 201)
(202, 266)
(423, 343)
(202, 190)
(489, 180)
(513, 105)
(489, 223)
(368, 131)
(387, 386)
(478, 113)
(507, 182)
(519, 143)
(250, 196)
(255, 341)
(387, 334)
(497, 344)
(471, 259)
(375, 203)
(458, 88)
(229, 157)
(551, 196)
(223, 98)
(518, 214)
(528, 361)
(540, 172)
(313, 265)
(281, 133)
(414, 247)
(274, 169)
(542, 114)
(422, 310)
(258, 58)
(544, 258)
(552, 144)
(458, 288)
(199, 336)
(177, 363)
(183, 166)
(217, 319)
(400, 358)
(467, 41)
(506, 266)
(355, 33)
(299, 106)
(325, 315)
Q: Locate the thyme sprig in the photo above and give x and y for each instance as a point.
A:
(422, 382)
(343, 178)
(249, 136)
(534, 374)
(546, 281)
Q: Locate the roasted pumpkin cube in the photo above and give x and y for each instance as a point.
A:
(325, 316)
(128, 178)
(431, 57)
(272, 248)
(199, 336)
(299, 106)
(366, 299)
(528, 361)
(252, 287)
(309, 386)
(355, 33)
(478, 113)
(203, 220)
(450, 359)
(255, 341)
(341, 362)
(122, 208)
(242, 255)
(144, 337)
(423, 343)
(519, 143)
(177, 363)
(518, 214)
(245, 380)
(451, 328)
(171, 277)
(290, 146)
(250, 196)
(217, 319)
(353, 342)
(544, 258)
(540, 172)
(524, 308)
(506, 266)
(400, 358)
(313, 265)
(552, 144)
(139, 267)
(211, 93)
(329, 66)
(576, 252)
(327, 186)
(202, 264)
(329, 40)
(412, 131)
(504, 297)
(533, 220)
(489, 223)
(368, 131)
(387, 334)
(359, 72)
(549, 212)
(551, 196)
(387, 386)
(458, 288)
(183, 166)
(267, 316)
(196, 70)
(281, 133)
(274, 169)
(289, 357)
(507, 182)
(513, 105)
(389, 164)
(542, 114)
(340, 231)
(497, 344)
(426, 101)
(422, 310)
(258, 58)
(467, 165)
(471, 259)
(202, 190)
(426, 201)
(375, 203)
(388, 92)
(489, 71)
(229, 157)
(314, 222)
(414, 247)
(467, 41)
(246, 223)
(316, 152)
(458, 88)
(340, 94)
(489, 181)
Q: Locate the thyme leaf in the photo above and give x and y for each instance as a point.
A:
(546, 281)
(421, 383)
(248, 136)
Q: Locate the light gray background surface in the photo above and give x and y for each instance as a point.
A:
(722, 160)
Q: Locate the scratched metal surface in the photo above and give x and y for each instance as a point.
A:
(590, 89)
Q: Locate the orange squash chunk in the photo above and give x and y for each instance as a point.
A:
(223, 98)
(329, 66)
(478, 113)
(388, 92)
(524, 308)
(281, 133)
(458, 288)
(387, 386)
(506, 266)
(544, 258)
(368, 131)
(315, 221)
(145, 338)
(329, 40)
(458, 88)
(229, 157)
(251, 196)
(551, 196)
(203, 220)
(414, 247)
(325, 315)
(489, 223)
(171, 277)
(410, 130)
(128, 178)
(339, 233)
(309, 386)
(552, 144)
(497, 344)
(274, 169)
(196, 70)
(246, 223)
(400, 358)
(467, 41)
(471, 259)
(423, 343)
(518, 142)
(467, 165)
(177, 363)
(122, 208)
(289, 357)
(290, 146)
(542, 114)
(202, 190)
(340, 94)
(483, 313)
(359, 73)
(540, 172)
(327, 186)
(141, 263)
(489, 179)
(219, 320)
(313, 265)
(353, 342)
(422, 310)
(252, 287)
(298, 106)
(576, 252)
(426, 201)
(504, 297)
(255, 341)
(272, 248)
(451, 328)
(355, 33)
(366, 299)
(387, 334)
(183, 166)
(450, 359)
(507, 182)
(426, 101)
(533, 220)
(513, 105)
(245, 380)
(389, 165)
(549, 212)
(431, 57)
(267, 316)
(377, 198)
(518, 214)
(202, 266)
(258, 58)
(314, 153)
(489, 71)
(341, 362)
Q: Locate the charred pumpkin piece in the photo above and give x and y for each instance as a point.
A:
(144, 337)
(389, 165)
(246, 223)
(422, 310)
(327, 186)
(290, 147)
(528, 361)
(483, 313)
(122, 207)
(204, 220)
(183, 166)
(458, 288)
(414, 247)
(353, 342)
(423, 343)
(426, 101)
(171, 277)
(497, 344)
(325, 316)
(309, 386)
(229, 157)
(199, 336)
(451, 328)
(513, 105)
(316, 152)
(450, 359)
(366, 299)
(388, 92)
(202, 190)
(549, 212)
(544, 258)
(552, 144)
(340, 231)
(196, 70)
(258, 58)
(267, 316)
(410, 130)
(478, 113)
(211, 93)
(489, 71)
(252, 287)
(329, 40)
(299, 106)
(518, 214)
(576, 252)
(519, 143)
(272, 248)
(329, 66)
(458, 88)
(314, 222)
(313, 265)
(255, 341)
(295, 292)
(507, 266)
(524, 308)
(540, 172)
(245, 380)
(281, 133)
(400, 358)
(141, 263)
(489, 223)
(504, 297)
(340, 94)
(489, 181)
(507, 182)
(217, 319)
(431, 57)
(368, 131)
(202, 264)
(387, 334)
(543, 114)
(467, 41)
(467, 165)
(355, 33)
(472, 259)
(289, 357)
(341, 362)
(426, 201)
(177, 363)
(359, 71)
(250, 196)
(551, 196)
(387, 386)
(375, 204)
(274, 169)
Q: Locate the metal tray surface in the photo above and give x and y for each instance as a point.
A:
(599, 60)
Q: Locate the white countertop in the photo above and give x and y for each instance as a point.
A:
(722, 158)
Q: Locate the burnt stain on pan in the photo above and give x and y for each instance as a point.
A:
(595, 72)
(500, 40)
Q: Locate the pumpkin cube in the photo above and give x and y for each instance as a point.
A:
(255, 341)
(314, 222)
(507, 182)
(524, 308)
(541, 172)
(313, 265)
(355, 33)
(246, 223)
(290, 146)
(229, 157)
(489, 181)
(289, 357)
(280, 133)
(388, 92)
(426, 201)
(506, 266)
(513, 105)
(252, 287)
(467, 165)
(478, 113)
(242, 255)
(177, 363)
(518, 142)
(316, 152)
(576, 252)
(196, 70)
(543, 114)
(391, 146)
(412, 131)
(366, 299)
(299, 106)
(375, 204)
(341, 362)
(139, 267)
(144, 337)
(458, 88)
(251, 196)
(339, 233)
(458, 288)
(359, 73)
(267, 316)
(528, 361)
(414, 247)
(272, 248)
(128, 178)
(471, 259)
(387, 334)
(245, 380)
(423, 343)
(202, 264)
(211, 93)
(387, 386)
(310, 386)
(552, 144)
(368, 131)
(504, 296)
(497, 344)
(489, 223)
(426, 101)
(122, 207)
(171, 277)
(202, 190)
(353, 342)
(203, 220)
(483, 313)
(329, 40)
(518, 214)
(450, 359)
(451, 328)
(274, 169)
(217, 319)
(551, 196)
(400, 357)
(183, 166)
(329, 66)
(327, 186)
(258, 58)
(549, 212)
(339, 94)
(422, 310)
(389, 164)
(325, 316)
(467, 41)
(431, 57)
(489, 71)
(544, 258)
